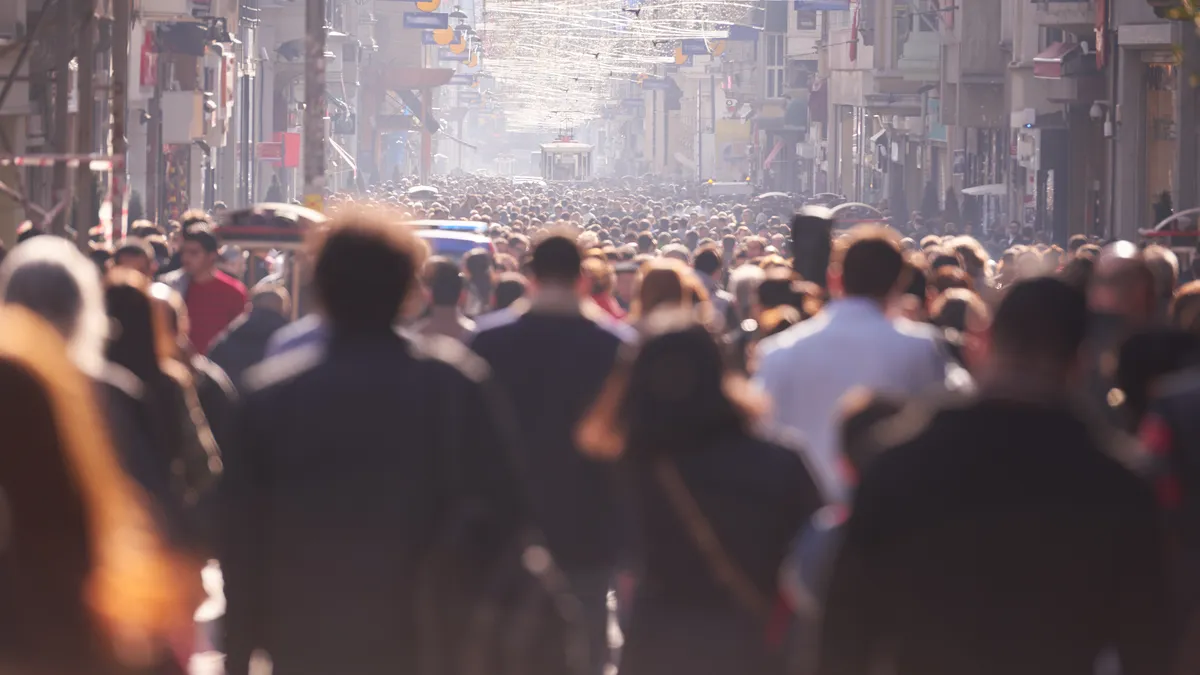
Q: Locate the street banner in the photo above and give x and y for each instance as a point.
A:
(695, 47)
(656, 84)
(426, 20)
(444, 54)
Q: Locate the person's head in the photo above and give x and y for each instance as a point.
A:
(1076, 242)
(744, 283)
(867, 263)
(1184, 311)
(478, 264)
(1164, 265)
(232, 261)
(708, 261)
(756, 247)
(82, 558)
(557, 261)
(964, 319)
(974, 257)
(667, 283)
(272, 298)
(142, 339)
(947, 278)
(599, 276)
(1123, 285)
(50, 277)
(673, 395)
(135, 254)
(625, 282)
(443, 282)
(1038, 331)
(366, 268)
(198, 253)
(646, 242)
(510, 288)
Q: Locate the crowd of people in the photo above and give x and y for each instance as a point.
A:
(642, 429)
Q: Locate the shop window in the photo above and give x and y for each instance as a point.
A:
(1161, 145)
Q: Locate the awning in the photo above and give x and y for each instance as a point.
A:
(771, 157)
(993, 190)
(1063, 59)
(345, 156)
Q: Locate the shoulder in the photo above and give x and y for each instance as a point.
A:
(282, 368)
(449, 357)
(794, 339)
(228, 282)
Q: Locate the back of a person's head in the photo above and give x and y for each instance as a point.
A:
(47, 535)
(1164, 265)
(661, 285)
(1076, 242)
(50, 277)
(557, 259)
(972, 254)
(775, 289)
(444, 281)
(193, 218)
(509, 289)
(366, 267)
(1185, 308)
(948, 277)
(676, 395)
(272, 298)
(959, 309)
(870, 263)
(599, 274)
(708, 260)
(82, 558)
(1042, 319)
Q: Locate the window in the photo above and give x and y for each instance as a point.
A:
(774, 58)
(776, 19)
(806, 20)
(1050, 36)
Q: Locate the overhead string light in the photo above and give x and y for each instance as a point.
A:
(556, 63)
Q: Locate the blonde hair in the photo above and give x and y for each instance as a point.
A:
(139, 591)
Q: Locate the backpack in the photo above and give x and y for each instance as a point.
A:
(491, 603)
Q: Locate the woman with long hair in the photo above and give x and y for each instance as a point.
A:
(666, 283)
(717, 504)
(173, 419)
(87, 585)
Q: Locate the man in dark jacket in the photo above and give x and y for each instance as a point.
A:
(342, 478)
(998, 536)
(244, 344)
(552, 357)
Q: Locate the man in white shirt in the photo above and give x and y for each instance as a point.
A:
(852, 343)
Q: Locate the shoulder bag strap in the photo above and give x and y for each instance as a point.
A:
(722, 567)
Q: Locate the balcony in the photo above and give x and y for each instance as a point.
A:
(1064, 12)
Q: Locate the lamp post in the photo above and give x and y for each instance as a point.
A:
(314, 105)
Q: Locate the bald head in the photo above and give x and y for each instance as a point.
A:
(1123, 284)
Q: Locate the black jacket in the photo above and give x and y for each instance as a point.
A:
(552, 366)
(756, 495)
(998, 538)
(335, 491)
(243, 345)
